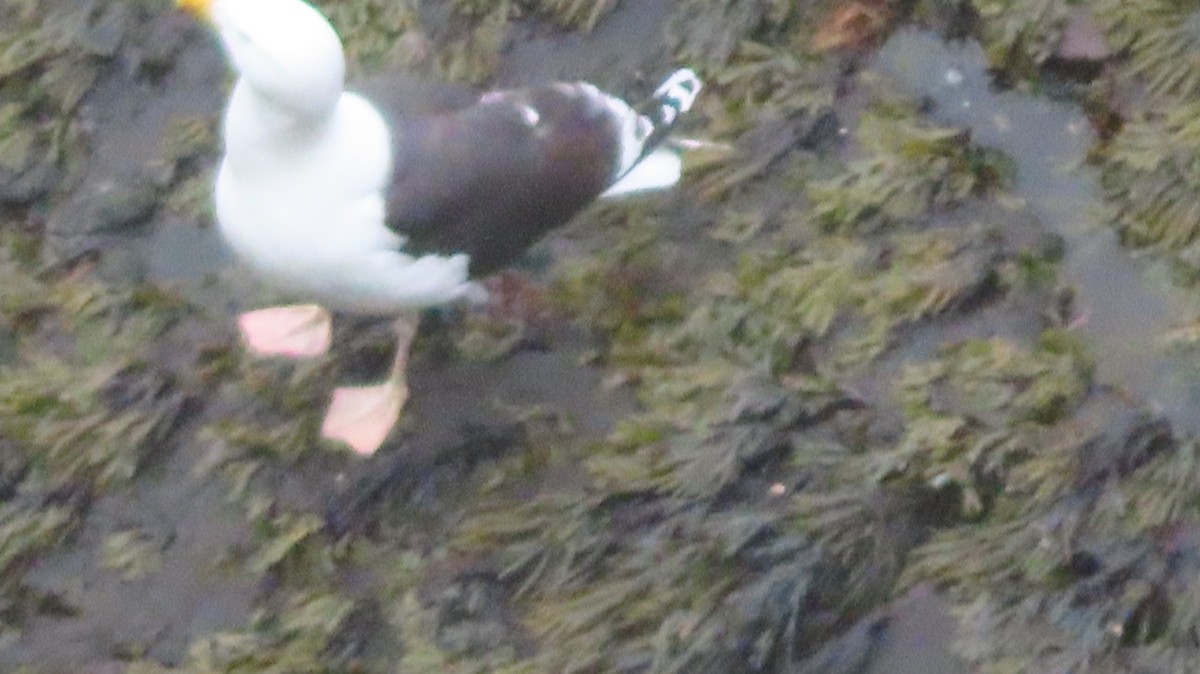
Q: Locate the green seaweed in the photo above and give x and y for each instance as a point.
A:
(26, 533)
(188, 137)
(977, 414)
(572, 14)
(546, 545)
(1162, 42)
(1019, 36)
(291, 640)
(909, 169)
(373, 31)
(577, 14)
(1150, 179)
(46, 69)
(96, 411)
(709, 34)
(473, 55)
(131, 553)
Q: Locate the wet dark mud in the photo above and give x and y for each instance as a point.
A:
(874, 391)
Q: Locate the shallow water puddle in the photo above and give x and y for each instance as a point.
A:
(1126, 307)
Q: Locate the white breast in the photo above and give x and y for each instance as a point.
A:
(299, 204)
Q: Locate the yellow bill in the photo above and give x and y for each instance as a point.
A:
(199, 8)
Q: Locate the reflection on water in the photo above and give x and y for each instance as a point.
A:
(1126, 305)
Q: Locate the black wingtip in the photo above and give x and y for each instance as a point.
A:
(662, 110)
(679, 91)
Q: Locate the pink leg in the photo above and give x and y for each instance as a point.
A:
(362, 416)
(300, 331)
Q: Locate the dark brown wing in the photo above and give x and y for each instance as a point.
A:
(491, 179)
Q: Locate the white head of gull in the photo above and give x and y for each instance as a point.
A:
(392, 204)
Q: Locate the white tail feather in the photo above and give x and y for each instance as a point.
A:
(659, 170)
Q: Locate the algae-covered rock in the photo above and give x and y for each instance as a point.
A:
(46, 70)
(291, 641)
(1150, 180)
(122, 205)
(907, 171)
(473, 619)
(1148, 176)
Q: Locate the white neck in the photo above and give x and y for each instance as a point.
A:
(256, 124)
(269, 115)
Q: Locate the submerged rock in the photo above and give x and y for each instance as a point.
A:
(1082, 38)
(110, 206)
(29, 181)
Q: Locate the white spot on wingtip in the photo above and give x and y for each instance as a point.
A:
(574, 89)
(529, 115)
(683, 86)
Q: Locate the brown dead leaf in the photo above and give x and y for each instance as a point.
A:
(853, 25)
